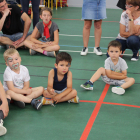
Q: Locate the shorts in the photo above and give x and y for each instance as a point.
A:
(58, 91)
(16, 36)
(94, 9)
(112, 81)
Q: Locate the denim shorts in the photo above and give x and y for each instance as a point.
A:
(94, 9)
(16, 36)
(112, 81)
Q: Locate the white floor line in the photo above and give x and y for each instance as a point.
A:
(82, 36)
(88, 52)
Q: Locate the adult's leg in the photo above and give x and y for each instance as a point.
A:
(133, 43)
(25, 5)
(35, 8)
(97, 32)
(123, 43)
(86, 32)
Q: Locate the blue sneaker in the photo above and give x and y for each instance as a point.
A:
(36, 104)
(87, 85)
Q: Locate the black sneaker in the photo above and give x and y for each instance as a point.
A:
(19, 103)
(135, 58)
(36, 104)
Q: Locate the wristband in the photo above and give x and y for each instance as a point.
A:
(130, 19)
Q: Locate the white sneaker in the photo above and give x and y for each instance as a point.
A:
(3, 130)
(118, 90)
(97, 50)
(84, 51)
(74, 100)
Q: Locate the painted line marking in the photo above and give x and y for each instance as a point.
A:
(82, 36)
(88, 52)
(94, 114)
(110, 103)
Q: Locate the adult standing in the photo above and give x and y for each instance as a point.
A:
(93, 10)
(130, 28)
(35, 8)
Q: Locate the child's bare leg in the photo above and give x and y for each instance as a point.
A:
(97, 74)
(129, 82)
(52, 48)
(36, 92)
(18, 97)
(71, 95)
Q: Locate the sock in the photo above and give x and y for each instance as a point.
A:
(45, 52)
(91, 82)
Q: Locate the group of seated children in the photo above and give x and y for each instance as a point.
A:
(16, 85)
(59, 89)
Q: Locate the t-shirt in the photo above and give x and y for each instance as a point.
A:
(18, 79)
(53, 27)
(13, 22)
(119, 67)
(125, 20)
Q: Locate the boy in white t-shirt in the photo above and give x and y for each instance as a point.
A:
(16, 81)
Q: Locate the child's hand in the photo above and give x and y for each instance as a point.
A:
(57, 98)
(49, 43)
(34, 46)
(5, 109)
(52, 92)
(28, 91)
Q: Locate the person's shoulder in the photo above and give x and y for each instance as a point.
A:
(23, 68)
(108, 59)
(51, 72)
(54, 23)
(39, 23)
(121, 60)
(7, 69)
(69, 73)
(124, 15)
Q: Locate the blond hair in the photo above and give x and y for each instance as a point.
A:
(9, 52)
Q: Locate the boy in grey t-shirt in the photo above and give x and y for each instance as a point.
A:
(114, 73)
(47, 30)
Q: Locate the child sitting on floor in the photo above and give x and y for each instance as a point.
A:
(114, 73)
(59, 87)
(16, 81)
(48, 31)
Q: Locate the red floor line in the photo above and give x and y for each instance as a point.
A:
(136, 106)
(94, 114)
(110, 103)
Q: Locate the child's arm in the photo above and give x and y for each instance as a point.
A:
(116, 75)
(49, 93)
(4, 106)
(34, 36)
(17, 90)
(67, 91)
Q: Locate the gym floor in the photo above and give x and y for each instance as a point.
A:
(101, 114)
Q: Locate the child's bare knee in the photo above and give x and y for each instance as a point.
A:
(74, 92)
(133, 80)
(57, 47)
(101, 69)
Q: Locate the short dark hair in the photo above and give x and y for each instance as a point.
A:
(63, 56)
(115, 43)
(2, 1)
(46, 9)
